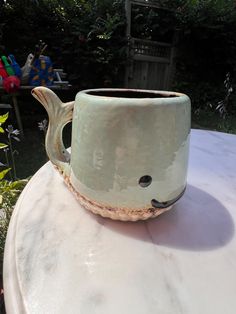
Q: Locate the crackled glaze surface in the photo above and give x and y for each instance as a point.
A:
(60, 258)
(118, 139)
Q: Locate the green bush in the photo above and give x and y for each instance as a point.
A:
(9, 190)
(206, 49)
(9, 193)
(87, 38)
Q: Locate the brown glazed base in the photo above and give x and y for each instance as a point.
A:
(123, 214)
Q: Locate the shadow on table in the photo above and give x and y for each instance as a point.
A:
(197, 222)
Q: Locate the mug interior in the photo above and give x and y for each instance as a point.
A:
(132, 94)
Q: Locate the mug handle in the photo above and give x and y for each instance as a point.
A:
(59, 114)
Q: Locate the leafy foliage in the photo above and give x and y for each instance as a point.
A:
(153, 23)
(3, 119)
(9, 193)
(87, 38)
(206, 49)
(223, 105)
(9, 190)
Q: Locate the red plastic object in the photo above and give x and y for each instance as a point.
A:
(11, 84)
(3, 72)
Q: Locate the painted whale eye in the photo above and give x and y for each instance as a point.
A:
(145, 181)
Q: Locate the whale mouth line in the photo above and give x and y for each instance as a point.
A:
(157, 204)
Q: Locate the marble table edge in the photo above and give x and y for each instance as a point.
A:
(15, 305)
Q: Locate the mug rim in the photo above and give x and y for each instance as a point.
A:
(166, 94)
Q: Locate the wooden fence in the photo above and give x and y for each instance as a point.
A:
(151, 63)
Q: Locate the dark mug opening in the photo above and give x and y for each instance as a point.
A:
(132, 94)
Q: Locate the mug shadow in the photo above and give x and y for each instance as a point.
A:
(197, 222)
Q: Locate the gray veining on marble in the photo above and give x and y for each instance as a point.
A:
(59, 258)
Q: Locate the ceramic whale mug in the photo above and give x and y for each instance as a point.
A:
(129, 150)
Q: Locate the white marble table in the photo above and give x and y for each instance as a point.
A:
(60, 259)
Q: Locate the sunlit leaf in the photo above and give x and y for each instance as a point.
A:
(4, 172)
(2, 145)
(3, 118)
(104, 36)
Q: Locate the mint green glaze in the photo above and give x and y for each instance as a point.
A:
(115, 141)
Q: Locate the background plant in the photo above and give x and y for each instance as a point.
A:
(223, 105)
(87, 38)
(9, 190)
(8, 148)
(9, 193)
(206, 49)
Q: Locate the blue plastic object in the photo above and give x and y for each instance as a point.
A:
(15, 66)
(41, 73)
